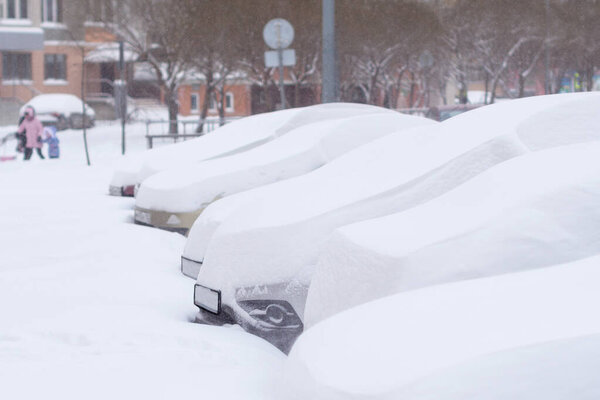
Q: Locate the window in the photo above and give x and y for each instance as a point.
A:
(52, 10)
(194, 102)
(100, 10)
(212, 102)
(15, 9)
(16, 66)
(229, 101)
(55, 67)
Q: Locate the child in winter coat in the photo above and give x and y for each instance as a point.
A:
(52, 140)
(32, 128)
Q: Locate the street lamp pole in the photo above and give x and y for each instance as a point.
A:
(330, 85)
(547, 50)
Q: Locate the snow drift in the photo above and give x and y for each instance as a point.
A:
(529, 212)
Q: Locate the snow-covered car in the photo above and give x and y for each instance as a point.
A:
(174, 198)
(64, 111)
(398, 346)
(233, 138)
(563, 369)
(258, 263)
(525, 213)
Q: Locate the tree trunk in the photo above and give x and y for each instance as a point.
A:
(521, 86)
(208, 90)
(221, 105)
(297, 94)
(173, 107)
(411, 94)
(487, 86)
(373, 98)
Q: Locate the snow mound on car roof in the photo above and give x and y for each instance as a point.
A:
(244, 134)
(63, 103)
(274, 239)
(126, 171)
(194, 186)
(529, 212)
(376, 349)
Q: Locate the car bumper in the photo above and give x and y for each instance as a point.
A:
(170, 221)
(122, 191)
(214, 310)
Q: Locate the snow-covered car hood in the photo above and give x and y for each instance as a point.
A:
(376, 349)
(528, 212)
(244, 134)
(193, 186)
(278, 237)
(65, 104)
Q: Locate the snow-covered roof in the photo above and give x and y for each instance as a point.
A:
(396, 172)
(109, 52)
(192, 187)
(528, 212)
(381, 349)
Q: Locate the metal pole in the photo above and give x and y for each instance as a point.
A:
(122, 93)
(281, 87)
(547, 50)
(330, 84)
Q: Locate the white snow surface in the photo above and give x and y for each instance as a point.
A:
(244, 134)
(63, 103)
(93, 306)
(193, 187)
(558, 370)
(277, 238)
(528, 212)
(378, 349)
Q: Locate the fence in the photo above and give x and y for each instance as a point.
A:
(159, 129)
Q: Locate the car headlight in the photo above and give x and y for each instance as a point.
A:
(190, 267)
(143, 217)
(272, 313)
(207, 298)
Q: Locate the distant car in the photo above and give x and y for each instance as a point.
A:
(257, 264)
(64, 111)
(174, 198)
(442, 113)
(519, 336)
(529, 212)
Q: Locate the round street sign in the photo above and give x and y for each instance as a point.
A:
(278, 33)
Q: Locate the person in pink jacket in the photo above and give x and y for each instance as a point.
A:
(32, 127)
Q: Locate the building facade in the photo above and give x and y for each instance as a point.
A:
(42, 46)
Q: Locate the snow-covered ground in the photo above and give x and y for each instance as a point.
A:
(93, 306)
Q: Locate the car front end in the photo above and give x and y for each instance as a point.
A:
(121, 191)
(179, 222)
(272, 312)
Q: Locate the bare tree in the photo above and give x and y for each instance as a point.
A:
(158, 31)
(382, 40)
